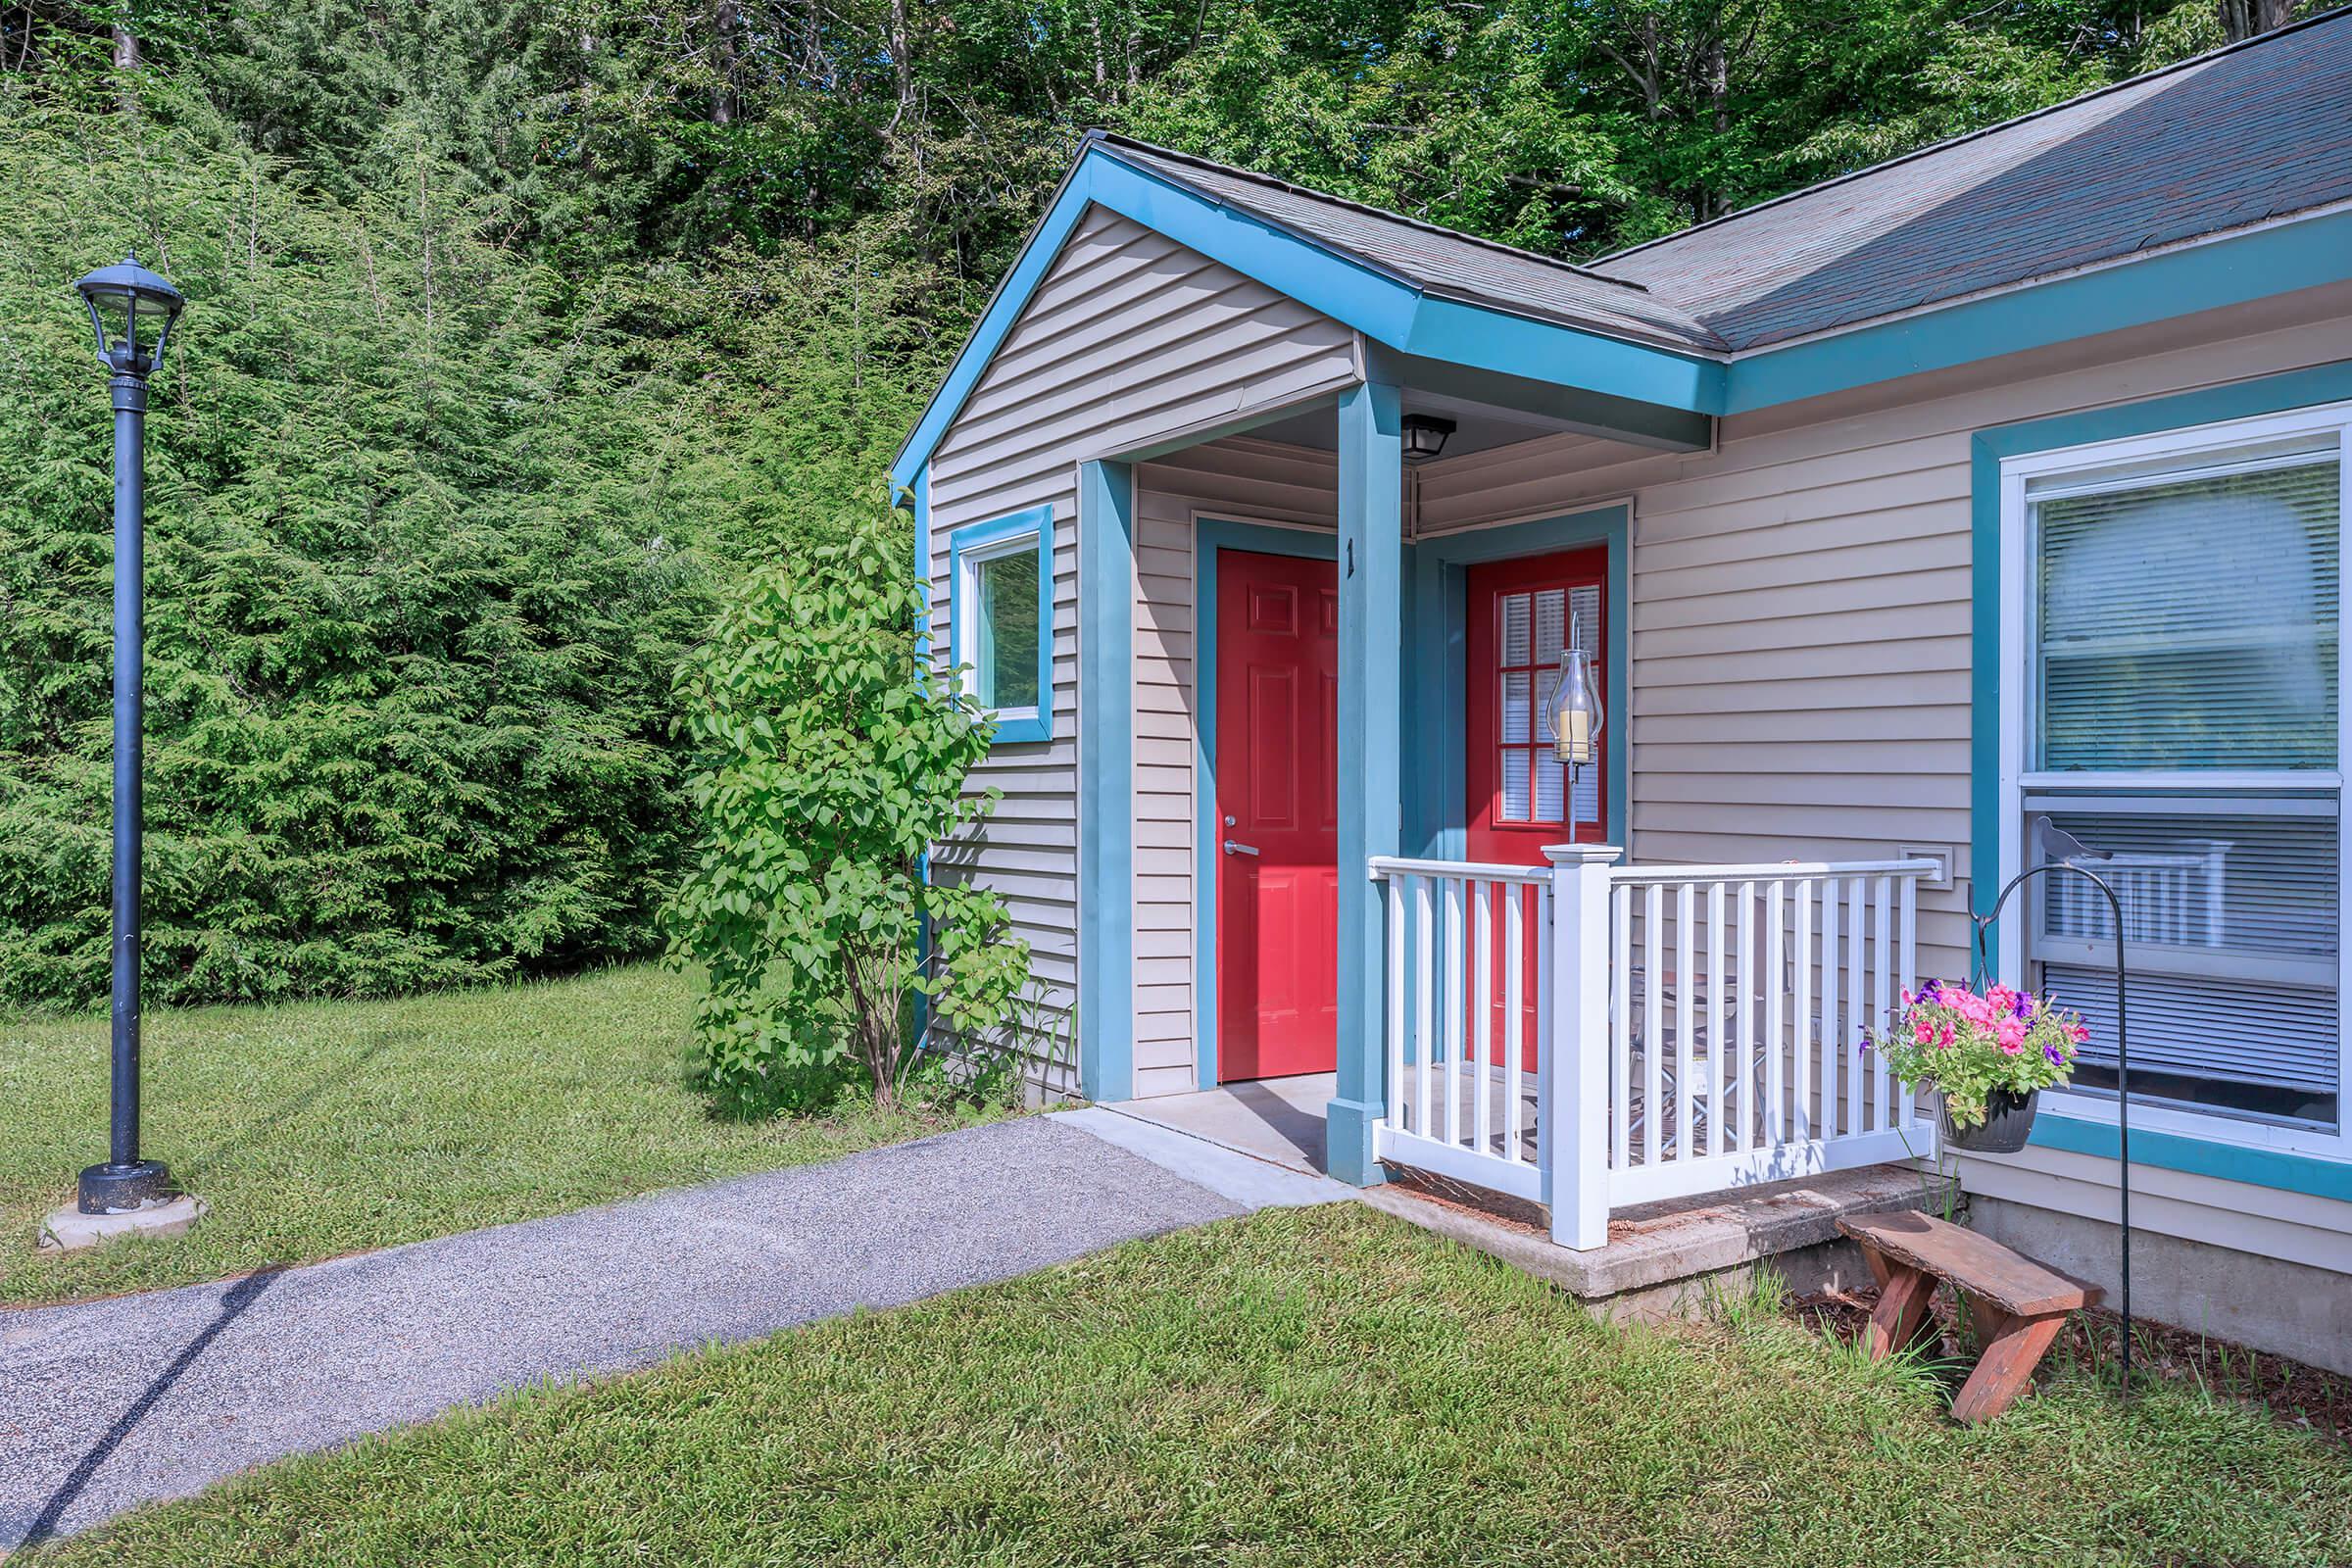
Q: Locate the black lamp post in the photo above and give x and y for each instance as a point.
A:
(131, 311)
(2070, 852)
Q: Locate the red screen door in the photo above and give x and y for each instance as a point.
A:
(1277, 825)
(1519, 798)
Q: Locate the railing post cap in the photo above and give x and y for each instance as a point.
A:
(1568, 854)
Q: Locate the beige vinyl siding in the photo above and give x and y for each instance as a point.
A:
(1130, 341)
(1801, 660)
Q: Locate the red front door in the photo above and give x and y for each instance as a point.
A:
(1519, 799)
(1276, 844)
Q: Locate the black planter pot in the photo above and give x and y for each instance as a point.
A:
(2008, 1118)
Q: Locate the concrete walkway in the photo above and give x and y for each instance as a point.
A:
(111, 1403)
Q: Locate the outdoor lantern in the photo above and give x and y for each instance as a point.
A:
(1425, 437)
(1576, 715)
(131, 311)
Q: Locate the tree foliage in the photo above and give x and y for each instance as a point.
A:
(826, 773)
(520, 328)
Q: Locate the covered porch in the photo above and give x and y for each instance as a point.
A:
(1501, 1001)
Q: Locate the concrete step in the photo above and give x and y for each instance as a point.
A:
(1667, 1259)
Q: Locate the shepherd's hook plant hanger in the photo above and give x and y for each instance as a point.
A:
(2072, 852)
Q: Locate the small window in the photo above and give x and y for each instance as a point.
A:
(1002, 612)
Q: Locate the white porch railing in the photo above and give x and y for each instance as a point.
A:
(1593, 1037)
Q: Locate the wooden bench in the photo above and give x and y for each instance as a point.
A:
(2016, 1304)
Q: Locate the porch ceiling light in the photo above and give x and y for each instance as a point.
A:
(1425, 437)
(1576, 716)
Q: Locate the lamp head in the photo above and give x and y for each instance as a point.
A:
(1575, 711)
(131, 311)
(1423, 436)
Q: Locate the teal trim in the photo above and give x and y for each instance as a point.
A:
(1106, 781)
(1389, 310)
(1371, 743)
(972, 536)
(2200, 278)
(919, 497)
(1211, 535)
(2240, 399)
(1437, 815)
(2281, 1169)
(1382, 305)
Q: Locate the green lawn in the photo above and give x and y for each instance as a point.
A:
(322, 1128)
(1320, 1387)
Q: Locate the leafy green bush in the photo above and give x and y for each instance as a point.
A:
(829, 772)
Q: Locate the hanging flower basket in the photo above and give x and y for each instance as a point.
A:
(1988, 1053)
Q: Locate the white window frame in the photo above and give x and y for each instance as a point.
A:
(2018, 687)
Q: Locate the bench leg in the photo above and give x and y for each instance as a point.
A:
(2017, 1348)
(1902, 1310)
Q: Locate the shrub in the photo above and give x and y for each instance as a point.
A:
(827, 772)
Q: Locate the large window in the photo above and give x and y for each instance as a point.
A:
(2177, 644)
(1002, 618)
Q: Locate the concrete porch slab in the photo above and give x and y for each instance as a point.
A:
(1275, 1119)
(1664, 1259)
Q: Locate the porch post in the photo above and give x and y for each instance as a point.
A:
(1371, 701)
(1106, 780)
(1572, 1116)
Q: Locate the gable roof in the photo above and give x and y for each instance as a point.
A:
(2249, 134)
(1430, 258)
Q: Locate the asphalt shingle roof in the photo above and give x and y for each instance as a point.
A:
(1431, 258)
(2253, 132)
(2216, 143)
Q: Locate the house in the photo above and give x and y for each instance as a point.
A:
(1996, 485)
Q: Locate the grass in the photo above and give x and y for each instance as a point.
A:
(1317, 1386)
(322, 1128)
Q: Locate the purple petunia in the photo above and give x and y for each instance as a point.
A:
(2057, 1056)
(2025, 1005)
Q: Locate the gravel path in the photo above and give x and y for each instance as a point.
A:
(111, 1403)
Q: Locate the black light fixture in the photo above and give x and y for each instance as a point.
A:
(131, 311)
(1425, 437)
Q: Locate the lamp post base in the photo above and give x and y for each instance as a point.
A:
(112, 1189)
(70, 1230)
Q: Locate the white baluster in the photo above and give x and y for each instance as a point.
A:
(1424, 1001)
(1621, 1028)
(1481, 1017)
(1653, 1023)
(1882, 998)
(1512, 1048)
(1776, 1121)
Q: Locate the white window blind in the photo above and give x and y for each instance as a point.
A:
(2232, 931)
(2190, 620)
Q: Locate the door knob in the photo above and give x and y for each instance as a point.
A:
(1232, 848)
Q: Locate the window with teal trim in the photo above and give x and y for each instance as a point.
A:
(2182, 654)
(1001, 619)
